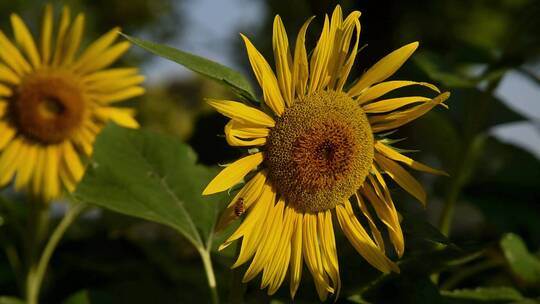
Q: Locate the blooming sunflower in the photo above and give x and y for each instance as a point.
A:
(55, 99)
(318, 149)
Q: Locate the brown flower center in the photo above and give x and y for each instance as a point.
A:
(320, 151)
(48, 106)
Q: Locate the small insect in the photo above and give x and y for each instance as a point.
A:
(239, 207)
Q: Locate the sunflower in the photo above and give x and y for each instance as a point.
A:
(316, 150)
(55, 99)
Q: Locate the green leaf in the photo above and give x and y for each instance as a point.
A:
(10, 300)
(421, 235)
(485, 294)
(203, 66)
(436, 68)
(81, 297)
(522, 263)
(153, 177)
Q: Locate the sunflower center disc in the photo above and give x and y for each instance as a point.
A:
(320, 151)
(48, 106)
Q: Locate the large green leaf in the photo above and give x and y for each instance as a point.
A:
(10, 300)
(153, 177)
(200, 65)
(523, 264)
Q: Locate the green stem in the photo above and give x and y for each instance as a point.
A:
(454, 280)
(207, 262)
(237, 288)
(36, 273)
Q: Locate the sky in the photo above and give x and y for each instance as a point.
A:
(212, 25)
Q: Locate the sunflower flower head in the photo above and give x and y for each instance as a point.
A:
(55, 98)
(320, 154)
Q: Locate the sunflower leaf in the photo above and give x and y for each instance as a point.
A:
(153, 177)
(216, 71)
(485, 294)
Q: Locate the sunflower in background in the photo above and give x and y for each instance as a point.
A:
(318, 149)
(55, 99)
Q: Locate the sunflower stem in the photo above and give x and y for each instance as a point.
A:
(207, 262)
(37, 272)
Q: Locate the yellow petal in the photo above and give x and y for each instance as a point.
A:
(51, 179)
(402, 177)
(392, 104)
(300, 72)
(395, 155)
(121, 95)
(121, 116)
(250, 227)
(312, 255)
(106, 76)
(7, 134)
(360, 240)
(384, 68)
(241, 135)
(268, 245)
(329, 252)
(319, 77)
(8, 76)
(276, 269)
(396, 119)
(24, 172)
(382, 88)
(250, 193)
(46, 34)
(267, 80)
(5, 91)
(377, 236)
(283, 59)
(12, 57)
(37, 175)
(105, 58)
(72, 162)
(387, 214)
(113, 85)
(25, 39)
(73, 39)
(96, 50)
(242, 113)
(59, 51)
(296, 254)
(9, 160)
(233, 173)
(348, 64)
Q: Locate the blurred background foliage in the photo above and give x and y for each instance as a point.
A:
(482, 51)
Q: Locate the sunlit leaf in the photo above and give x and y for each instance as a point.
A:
(153, 177)
(200, 65)
(80, 297)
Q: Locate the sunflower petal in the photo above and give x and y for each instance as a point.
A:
(392, 104)
(377, 236)
(240, 135)
(329, 251)
(65, 19)
(312, 255)
(382, 88)
(319, 77)
(24, 172)
(384, 68)
(397, 119)
(267, 80)
(46, 34)
(242, 113)
(12, 57)
(233, 174)
(395, 155)
(250, 193)
(282, 55)
(25, 40)
(300, 72)
(361, 241)
(402, 177)
(73, 39)
(296, 255)
(8, 76)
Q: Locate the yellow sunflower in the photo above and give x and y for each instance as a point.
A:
(55, 99)
(318, 149)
